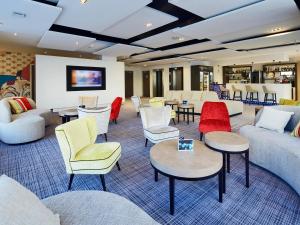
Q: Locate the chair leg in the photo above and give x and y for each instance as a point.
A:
(70, 181)
(174, 121)
(146, 142)
(103, 182)
(201, 136)
(105, 135)
(116, 121)
(118, 165)
(137, 114)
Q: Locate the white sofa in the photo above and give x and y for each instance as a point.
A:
(199, 97)
(21, 128)
(276, 152)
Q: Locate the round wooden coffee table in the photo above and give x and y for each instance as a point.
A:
(199, 164)
(171, 103)
(185, 109)
(229, 143)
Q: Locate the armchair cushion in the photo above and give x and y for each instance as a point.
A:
(159, 133)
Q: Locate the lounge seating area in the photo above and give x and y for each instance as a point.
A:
(157, 112)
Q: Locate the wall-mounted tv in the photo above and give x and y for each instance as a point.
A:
(82, 78)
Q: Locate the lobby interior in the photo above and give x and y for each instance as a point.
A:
(149, 112)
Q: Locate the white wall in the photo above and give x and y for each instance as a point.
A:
(51, 91)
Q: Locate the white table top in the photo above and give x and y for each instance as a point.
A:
(69, 112)
(226, 141)
(199, 163)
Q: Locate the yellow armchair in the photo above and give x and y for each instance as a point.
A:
(81, 154)
(160, 102)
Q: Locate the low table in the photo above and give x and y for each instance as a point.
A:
(171, 103)
(186, 110)
(66, 115)
(199, 164)
(229, 143)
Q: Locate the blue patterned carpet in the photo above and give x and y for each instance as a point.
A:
(39, 166)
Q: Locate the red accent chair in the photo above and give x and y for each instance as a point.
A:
(115, 109)
(214, 117)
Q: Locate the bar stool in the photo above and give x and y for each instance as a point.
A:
(251, 91)
(268, 92)
(235, 90)
(224, 92)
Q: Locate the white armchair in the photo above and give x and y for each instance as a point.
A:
(156, 124)
(102, 118)
(88, 101)
(136, 100)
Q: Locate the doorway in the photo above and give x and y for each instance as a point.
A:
(146, 83)
(158, 83)
(128, 84)
(176, 79)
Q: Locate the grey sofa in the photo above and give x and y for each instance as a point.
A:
(21, 128)
(278, 153)
(96, 207)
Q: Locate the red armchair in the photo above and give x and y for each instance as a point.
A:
(115, 109)
(214, 117)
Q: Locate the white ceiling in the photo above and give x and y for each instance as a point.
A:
(97, 15)
(253, 18)
(61, 41)
(276, 39)
(95, 46)
(209, 8)
(135, 24)
(166, 38)
(28, 30)
(152, 54)
(121, 50)
(215, 55)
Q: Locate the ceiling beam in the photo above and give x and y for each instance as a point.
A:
(297, 3)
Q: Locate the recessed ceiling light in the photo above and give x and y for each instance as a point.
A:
(145, 65)
(148, 24)
(176, 38)
(276, 29)
(181, 39)
(15, 34)
(77, 43)
(83, 1)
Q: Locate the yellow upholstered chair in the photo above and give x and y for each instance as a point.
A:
(160, 102)
(81, 154)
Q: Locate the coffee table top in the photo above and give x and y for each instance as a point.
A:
(68, 112)
(171, 102)
(186, 106)
(199, 163)
(226, 141)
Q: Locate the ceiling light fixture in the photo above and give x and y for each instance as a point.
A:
(176, 38)
(181, 39)
(276, 29)
(148, 24)
(15, 34)
(83, 1)
(77, 43)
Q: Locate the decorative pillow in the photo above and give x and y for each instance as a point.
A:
(20, 206)
(24, 102)
(296, 131)
(16, 107)
(32, 103)
(274, 119)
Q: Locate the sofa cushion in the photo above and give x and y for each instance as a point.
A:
(209, 96)
(177, 95)
(274, 119)
(16, 106)
(5, 112)
(25, 103)
(20, 206)
(196, 95)
(186, 95)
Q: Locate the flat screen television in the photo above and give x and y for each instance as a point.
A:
(82, 78)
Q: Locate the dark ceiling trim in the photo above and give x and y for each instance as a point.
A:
(261, 35)
(273, 46)
(182, 44)
(297, 3)
(46, 2)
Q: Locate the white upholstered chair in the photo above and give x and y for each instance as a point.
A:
(136, 100)
(88, 101)
(102, 118)
(156, 124)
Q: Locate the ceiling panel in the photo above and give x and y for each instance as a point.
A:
(195, 47)
(276, 39)
(20, 18)
(62, 41)
(97, 15)
(153, 54)
(121, 50)
(163, 39)
(135, 24)
(247, 21)
(220, 54)
(96, 46)
(164, 61)
(209, 8)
